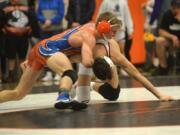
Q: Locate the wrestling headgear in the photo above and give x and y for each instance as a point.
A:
(102, 68)
(104, 27)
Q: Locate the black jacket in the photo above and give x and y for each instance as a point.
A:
(80, 11)
(32, 20)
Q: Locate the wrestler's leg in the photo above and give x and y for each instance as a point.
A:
(24, 86)
(61, 64)
(83, 85)
(106, 90)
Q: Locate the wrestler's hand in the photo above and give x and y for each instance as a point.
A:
(24, 65)
(47, 24)
(8, 9)
(166, 98)
(88, 63)
(75, 24)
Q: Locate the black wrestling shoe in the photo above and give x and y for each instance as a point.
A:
(65, 102)
(74, 105)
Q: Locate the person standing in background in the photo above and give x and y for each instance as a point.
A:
(50, 14)
(19, 23)
(80, 12)
(3, 4)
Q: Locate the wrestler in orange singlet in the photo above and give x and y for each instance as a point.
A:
(57, 52)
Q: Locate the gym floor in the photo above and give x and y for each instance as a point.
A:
(136, 112)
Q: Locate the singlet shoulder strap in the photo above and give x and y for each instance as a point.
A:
(71, 31)
(106, 45)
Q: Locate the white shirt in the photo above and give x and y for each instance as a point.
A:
(120, 9)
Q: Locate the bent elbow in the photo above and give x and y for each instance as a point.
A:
(88, 63)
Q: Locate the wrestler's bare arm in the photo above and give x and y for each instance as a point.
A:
(86, 41)
(114, 81)
(120, 60)
(87, 49)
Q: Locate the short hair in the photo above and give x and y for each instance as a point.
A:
(107, 16)
(102, 69)
(175, 3)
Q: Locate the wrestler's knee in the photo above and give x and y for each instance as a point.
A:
(108, 92)
(71, 74)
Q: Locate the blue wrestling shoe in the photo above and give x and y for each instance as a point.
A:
(65, 102)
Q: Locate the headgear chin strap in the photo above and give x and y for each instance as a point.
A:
(109, 61)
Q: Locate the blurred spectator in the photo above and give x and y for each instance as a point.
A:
(169, 36)
(155, 14)
(3, 63)
(80, 12)
(119, 8)
(18, 24)
(164, 6)
(150, 27)
(148, 10)
(50, 14)
(32, 4)
(154, 10)
(3, 3)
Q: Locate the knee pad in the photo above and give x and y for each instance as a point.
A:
(84, 70)
(108, 92)
(72, 74)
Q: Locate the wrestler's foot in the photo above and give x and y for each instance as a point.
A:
(65, 102)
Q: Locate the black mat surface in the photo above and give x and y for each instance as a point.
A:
(126, 114)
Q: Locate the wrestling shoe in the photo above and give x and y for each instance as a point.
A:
(57, 77)
(65, 102)
(47, 77)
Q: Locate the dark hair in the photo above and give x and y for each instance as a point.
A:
(175, 3)
(102, 69)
